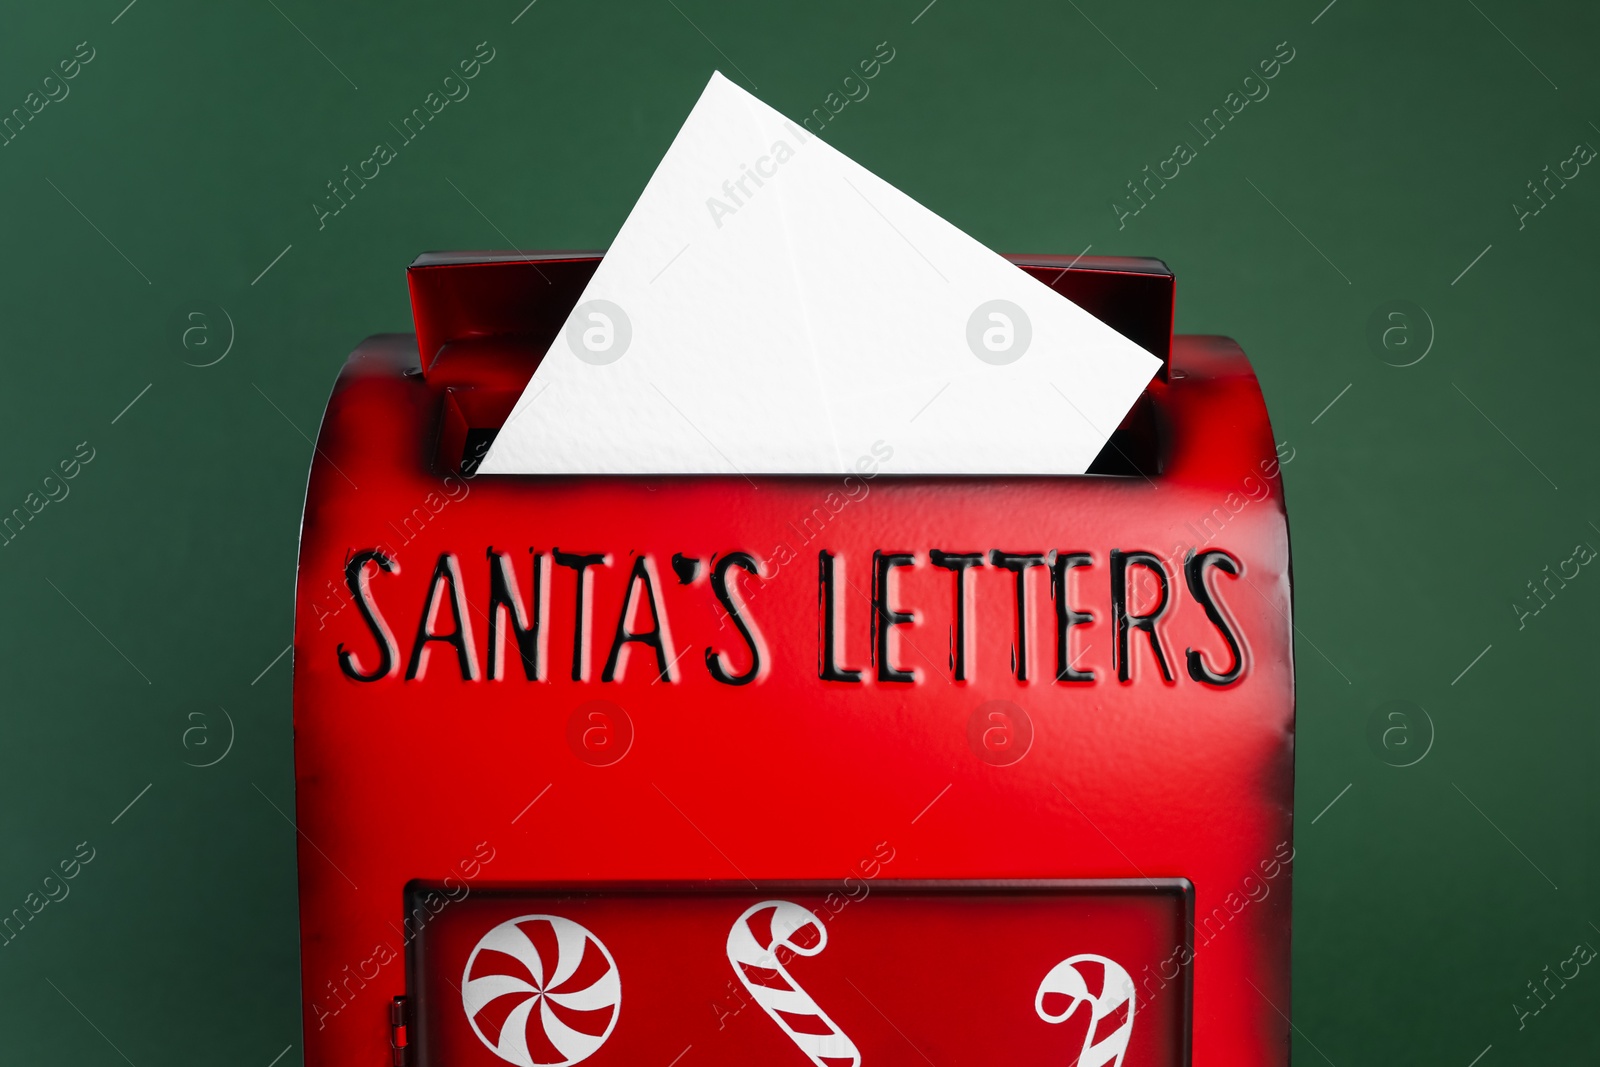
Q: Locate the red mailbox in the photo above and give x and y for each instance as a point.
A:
(875, 769)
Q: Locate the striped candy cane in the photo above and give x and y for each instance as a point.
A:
(752, 949)
(1110, 1006)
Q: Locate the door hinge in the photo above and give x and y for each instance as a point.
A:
(399, 1040)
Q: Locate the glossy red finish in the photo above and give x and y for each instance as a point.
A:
(499, 784)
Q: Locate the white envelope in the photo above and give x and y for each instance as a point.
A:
(771, 307)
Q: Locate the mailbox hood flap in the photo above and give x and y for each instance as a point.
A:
(770, 306)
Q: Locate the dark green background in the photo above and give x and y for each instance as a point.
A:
(193, 145)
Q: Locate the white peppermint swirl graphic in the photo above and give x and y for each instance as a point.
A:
(541, 991)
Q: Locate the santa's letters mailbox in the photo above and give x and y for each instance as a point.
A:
(876, 769)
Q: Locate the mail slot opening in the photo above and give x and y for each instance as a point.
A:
(472, 418)
(484, 321)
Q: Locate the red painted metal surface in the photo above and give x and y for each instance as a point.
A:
(471, 775)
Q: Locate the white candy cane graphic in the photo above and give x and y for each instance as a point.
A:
(1107, 989)
(753, 944)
